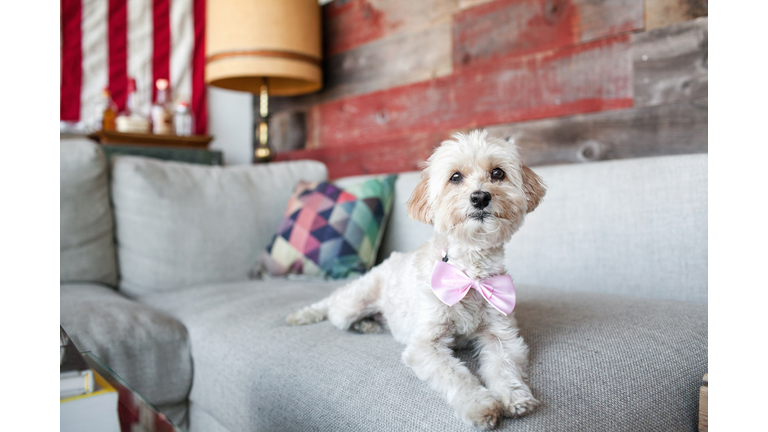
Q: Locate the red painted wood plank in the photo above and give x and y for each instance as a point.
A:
(513, 26)
(376, 157)
(507, 27)
(350, 24)
(588, 77)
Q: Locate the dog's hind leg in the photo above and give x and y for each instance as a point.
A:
(311, 314)
(345, 306)
(356, 301)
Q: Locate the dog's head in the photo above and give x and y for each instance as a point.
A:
(475, 190)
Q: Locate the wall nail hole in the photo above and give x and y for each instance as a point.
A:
(382, 117)
(554, 10)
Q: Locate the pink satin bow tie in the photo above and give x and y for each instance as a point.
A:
(450, 285)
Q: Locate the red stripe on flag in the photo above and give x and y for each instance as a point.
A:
(118, 51)
(161, 46)
(199, 104)
(71, 59)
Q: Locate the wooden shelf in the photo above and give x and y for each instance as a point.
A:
(140, 139)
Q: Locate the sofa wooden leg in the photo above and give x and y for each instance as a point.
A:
(703, 405)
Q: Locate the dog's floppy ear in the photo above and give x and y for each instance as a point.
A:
(533, 187)
(418, 205)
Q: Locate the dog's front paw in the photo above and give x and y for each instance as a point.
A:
(519, 402)
(483, 413)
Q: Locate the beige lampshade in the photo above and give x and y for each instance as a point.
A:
(247, 40)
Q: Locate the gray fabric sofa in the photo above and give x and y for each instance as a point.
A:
(610, 270)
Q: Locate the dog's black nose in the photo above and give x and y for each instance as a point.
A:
(480, 199)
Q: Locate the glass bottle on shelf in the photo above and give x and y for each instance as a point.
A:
(97, 117)
(130, 102)
(162, 117)
(183, 120)
(109, 115)
(129, 120)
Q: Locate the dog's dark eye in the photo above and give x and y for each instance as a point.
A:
(456, 177)
(497, 174)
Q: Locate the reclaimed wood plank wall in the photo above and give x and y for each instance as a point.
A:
(568, 80)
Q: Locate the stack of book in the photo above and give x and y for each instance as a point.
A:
(88, 401)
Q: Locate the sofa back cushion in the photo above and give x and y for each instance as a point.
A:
(86, 243)
(404, 233)
(179, 225)
(634, 227)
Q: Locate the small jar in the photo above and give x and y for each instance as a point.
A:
(183, 120)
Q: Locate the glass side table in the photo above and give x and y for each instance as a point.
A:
(136, 413)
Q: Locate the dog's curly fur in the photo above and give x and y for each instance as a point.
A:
(399, 288)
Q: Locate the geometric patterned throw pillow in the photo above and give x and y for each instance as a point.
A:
(331, 232)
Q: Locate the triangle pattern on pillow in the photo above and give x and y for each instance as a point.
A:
(331, 231)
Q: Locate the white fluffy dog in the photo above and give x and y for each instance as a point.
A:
(476, 192)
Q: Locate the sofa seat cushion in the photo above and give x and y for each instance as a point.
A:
(598, 362)
(146, 347)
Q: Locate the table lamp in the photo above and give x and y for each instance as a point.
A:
(265, 47)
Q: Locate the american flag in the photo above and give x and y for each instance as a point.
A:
(106, 42)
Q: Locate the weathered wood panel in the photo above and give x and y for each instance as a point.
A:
(349, 24)
(589, 77)
(497, 29)
(619, 134)
(507, 27)
(662, 13)
(671, 63)
(400, 155)
(636, 132)
(400, 59)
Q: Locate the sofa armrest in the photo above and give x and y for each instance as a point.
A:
(146, 347)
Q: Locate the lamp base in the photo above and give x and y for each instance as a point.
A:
(262, 153)
(261, 150)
